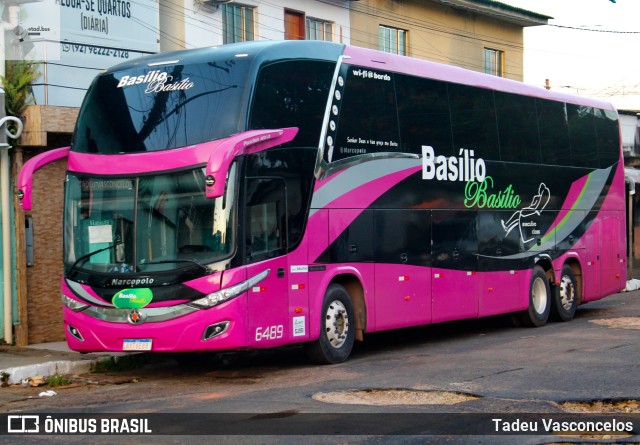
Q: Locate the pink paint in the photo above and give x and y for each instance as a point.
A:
(25, 177)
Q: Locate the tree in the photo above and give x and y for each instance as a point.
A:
(17, 86)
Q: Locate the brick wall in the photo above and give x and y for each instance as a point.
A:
(44, 307)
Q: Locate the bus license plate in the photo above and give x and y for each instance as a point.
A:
(138, 344)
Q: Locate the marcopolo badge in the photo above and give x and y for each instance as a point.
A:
(132, 298)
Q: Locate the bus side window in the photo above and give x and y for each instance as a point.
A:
(518, 128)
(608, 137)
(368, 116)
(265, 231)
(582, 133)
(423, 109)
(473, 119)
(553, 125)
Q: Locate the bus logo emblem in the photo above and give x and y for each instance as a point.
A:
(136, 317)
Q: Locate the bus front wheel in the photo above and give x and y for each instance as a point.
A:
(539, 300)
(337, 334)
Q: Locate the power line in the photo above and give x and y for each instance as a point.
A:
(609, 31)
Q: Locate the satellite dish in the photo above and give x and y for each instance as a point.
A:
(20, 33)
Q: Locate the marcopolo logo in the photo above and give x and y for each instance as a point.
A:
(132, 298)
(132, 281)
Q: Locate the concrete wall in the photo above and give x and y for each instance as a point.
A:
(440, 33)
(200, 25)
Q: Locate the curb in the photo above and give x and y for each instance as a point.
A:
(48, 369)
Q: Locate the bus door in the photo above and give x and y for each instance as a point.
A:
(455, 282)
(592, 263)
(612, 253)
(265, 248)
(402, 239)
(604, 255)
(502, 287)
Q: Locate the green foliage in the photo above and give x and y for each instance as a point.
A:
(17, 86)
(58, 380)
(117, 364)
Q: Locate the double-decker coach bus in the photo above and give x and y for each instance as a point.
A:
(269, 193)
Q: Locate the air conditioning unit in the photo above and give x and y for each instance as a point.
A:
(212, 4)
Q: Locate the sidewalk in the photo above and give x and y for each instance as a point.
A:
(46, 359)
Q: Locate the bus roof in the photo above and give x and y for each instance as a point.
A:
(262, 50)
(266, 50)
(439, 71)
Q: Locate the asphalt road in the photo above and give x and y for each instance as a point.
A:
(419, 385)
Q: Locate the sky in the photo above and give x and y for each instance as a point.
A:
(584, 59)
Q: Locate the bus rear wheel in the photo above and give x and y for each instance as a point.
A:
(539, 300)
(565, 297)
(336, 333)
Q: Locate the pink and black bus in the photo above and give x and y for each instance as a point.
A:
(264, 194)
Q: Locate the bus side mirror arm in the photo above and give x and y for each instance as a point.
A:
(248, 142)
(25, 177)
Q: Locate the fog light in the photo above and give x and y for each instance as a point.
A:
(75, 332)
(215, 329)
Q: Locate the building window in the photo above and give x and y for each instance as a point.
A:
(494, 62)
(293, 25)
(319, 30)
(393, 40)
(237, 23)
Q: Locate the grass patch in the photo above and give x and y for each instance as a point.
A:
(58, 380)
(118, 364)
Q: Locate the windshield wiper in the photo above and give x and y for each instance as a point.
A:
(202, 266)
(84, 258)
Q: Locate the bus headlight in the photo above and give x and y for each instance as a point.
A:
(74, 305)
(215, 298)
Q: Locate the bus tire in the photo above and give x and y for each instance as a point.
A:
(337, 328)
(539, 300)
(565, 296)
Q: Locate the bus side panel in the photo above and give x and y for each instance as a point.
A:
(613, 266)
(319, 282)
(455, 294)
(317, 235)
(502, 292)
(455, 281)
(403, 295)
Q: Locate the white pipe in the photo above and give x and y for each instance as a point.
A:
(6, 240)
(6, 245)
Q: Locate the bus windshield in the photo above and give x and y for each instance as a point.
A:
(161, 107)
(146, 224)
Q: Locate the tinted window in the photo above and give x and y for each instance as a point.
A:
(265, 218)
(473, 118)
(295, 166)
(403, 236)
(582, 135)
(454, 239)
(608, 137)
(553, 124)
(423, 109)
(159, 108)
(518, 128)
(367, 117)
(293, 94)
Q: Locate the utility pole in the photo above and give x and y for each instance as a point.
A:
(5, 186)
